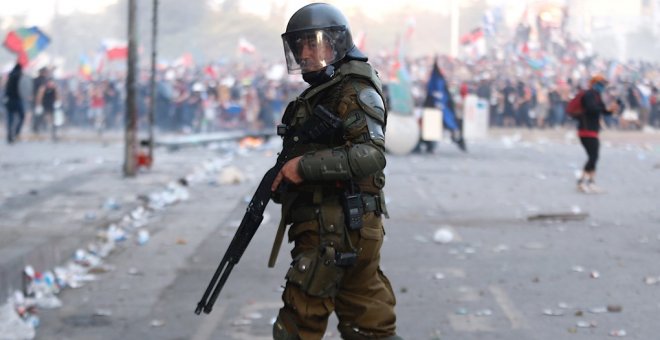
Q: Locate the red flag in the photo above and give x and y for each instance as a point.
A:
(245, 46)
(115, 49)
(472, 37)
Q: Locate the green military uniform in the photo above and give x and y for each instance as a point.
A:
(349, 160)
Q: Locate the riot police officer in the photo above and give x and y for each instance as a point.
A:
(331, 189)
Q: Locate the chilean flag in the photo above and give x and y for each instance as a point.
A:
(244, 46)
(115, 49)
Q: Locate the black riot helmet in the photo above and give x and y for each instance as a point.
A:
(317, 35)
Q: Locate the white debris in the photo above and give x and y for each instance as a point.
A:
(577, 269)
(231, 175)
(553, 312)
(586, 324)
(12, 327)
(143, 237)
(500, 248)
(443, 235)
(618, 333)
(652, 280)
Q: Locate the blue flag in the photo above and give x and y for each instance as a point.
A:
(438, 96)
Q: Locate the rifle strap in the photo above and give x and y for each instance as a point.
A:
(279, 236)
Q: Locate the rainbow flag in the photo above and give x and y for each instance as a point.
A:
(26, 42)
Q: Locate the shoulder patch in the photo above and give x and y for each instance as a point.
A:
(372, 103)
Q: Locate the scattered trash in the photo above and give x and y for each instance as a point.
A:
(614, 308)
(254, 316)
(462, 311)
(576, 209)
(143, 237)
(652, 280)
(586, 324)
(111, 204)
(595, 274)
(500, 248)
(134, 271)
(101, 269)
(181, 241)
(577, 269)
(598, 310)
(564, 305)
(443, 235)
(11, 324)
(483, 312)
(561, 216)
(102, 312)
(18, 318)
(618, 333)
(439, 276)
(241, 322)
(553, 312)
(231, 175)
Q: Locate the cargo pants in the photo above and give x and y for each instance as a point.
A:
(360, 294)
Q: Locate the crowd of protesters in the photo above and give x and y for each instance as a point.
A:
(526, 83)
(186, 99)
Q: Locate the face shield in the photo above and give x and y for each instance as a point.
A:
(314, 49)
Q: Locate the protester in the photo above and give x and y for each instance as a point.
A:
(47, 97)
(14, 104)
(588, 126)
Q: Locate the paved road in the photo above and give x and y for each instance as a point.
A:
(493, 281)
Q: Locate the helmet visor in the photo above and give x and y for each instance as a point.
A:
(312, 50)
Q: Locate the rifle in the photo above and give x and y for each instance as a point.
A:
(322, 121)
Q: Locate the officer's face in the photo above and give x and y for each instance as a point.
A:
(315, 53)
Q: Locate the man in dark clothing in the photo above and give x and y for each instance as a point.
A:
(588, 127)
(14, 103)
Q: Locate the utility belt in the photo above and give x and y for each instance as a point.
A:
(301, 213)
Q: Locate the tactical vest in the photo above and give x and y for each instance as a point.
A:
(329, 94)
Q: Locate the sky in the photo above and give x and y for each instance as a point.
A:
(39, 12)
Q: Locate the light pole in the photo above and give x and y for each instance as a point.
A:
(130, 135)
(152, 85)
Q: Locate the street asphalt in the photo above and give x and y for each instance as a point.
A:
(472, 248)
